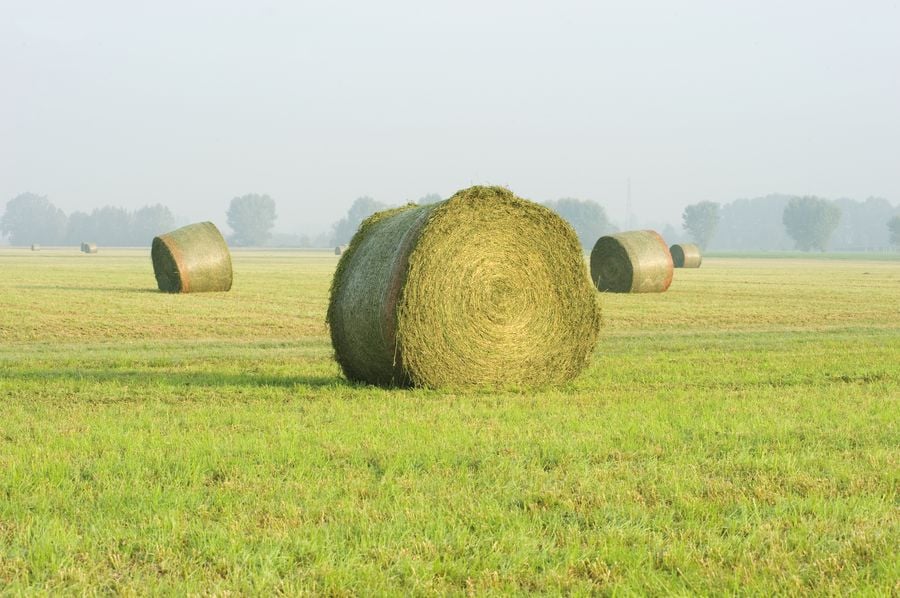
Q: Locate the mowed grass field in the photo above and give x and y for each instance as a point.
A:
(737, 434)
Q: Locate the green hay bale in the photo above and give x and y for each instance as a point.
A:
(89, 248)
(192, 259)
(686, 255)
(631, 262)
(482, 290)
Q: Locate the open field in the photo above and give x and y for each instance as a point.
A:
(738, 434)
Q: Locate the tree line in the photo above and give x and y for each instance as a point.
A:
(33, 219)
(774, 222)
(782, 222)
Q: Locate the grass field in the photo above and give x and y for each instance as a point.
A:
(738, 434)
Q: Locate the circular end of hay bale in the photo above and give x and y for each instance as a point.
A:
(482, 290)
(192, 259)
(686, 255)
(631, 262)
(89, 247)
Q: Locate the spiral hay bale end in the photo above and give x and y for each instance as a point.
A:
(192, 259)
(631, 262)
(686, 255)
(482, 290)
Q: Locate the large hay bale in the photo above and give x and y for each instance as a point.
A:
(686, 255)
(89, 248)
(631, 262)
(192, 259)
(484, 289)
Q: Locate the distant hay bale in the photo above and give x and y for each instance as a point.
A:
(89, 248)
(686, 255)
(631, 262)
(482, 290)
(35, 247)
(340, 249)
(192, 259)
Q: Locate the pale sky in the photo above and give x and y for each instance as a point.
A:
(316, 103)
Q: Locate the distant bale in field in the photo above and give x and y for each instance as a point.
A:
(482, 290)
(192, 259)
(686, 255)
(35, 247)
(340, 249)
(631, 262)
(89, 248)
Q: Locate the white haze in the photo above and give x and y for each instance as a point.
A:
(315, 103)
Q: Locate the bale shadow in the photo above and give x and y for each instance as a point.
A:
(149, 378)
(55, 287)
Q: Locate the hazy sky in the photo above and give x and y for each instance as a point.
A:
(316, 103)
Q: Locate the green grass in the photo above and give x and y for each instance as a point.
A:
(737, 434)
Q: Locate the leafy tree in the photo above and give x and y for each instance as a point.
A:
(362, 208)
(894, 228)
(251, 217)
(80, 228)
(111, 226)
(31, 218)
(149, 222)
(428, 199)
(811, 221)
(700, 220)
(588, 218)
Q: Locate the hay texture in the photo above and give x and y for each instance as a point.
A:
(686, 255)
(632, 262)
(482, 290)
(89, 248)
(192, 259)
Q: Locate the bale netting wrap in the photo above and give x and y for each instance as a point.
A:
(686, 255)
(482, 290)
(631, 262)
(192, 259)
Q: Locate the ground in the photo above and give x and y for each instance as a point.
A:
(737, 434)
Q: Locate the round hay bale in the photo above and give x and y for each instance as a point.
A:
(35, 247)
(89, 248)
(482, 290)
(192, 259)
(340, 249)
(686, 255)
(631, 262)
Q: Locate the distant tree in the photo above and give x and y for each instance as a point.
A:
(428, 199)
(251, 217)
(894, 229)
(111, 226)
(811, 221)
(149, 222)
(588, 218)
(31, 218)
(362, 208)
(700, 220)
(80, 229)
(862, 224)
